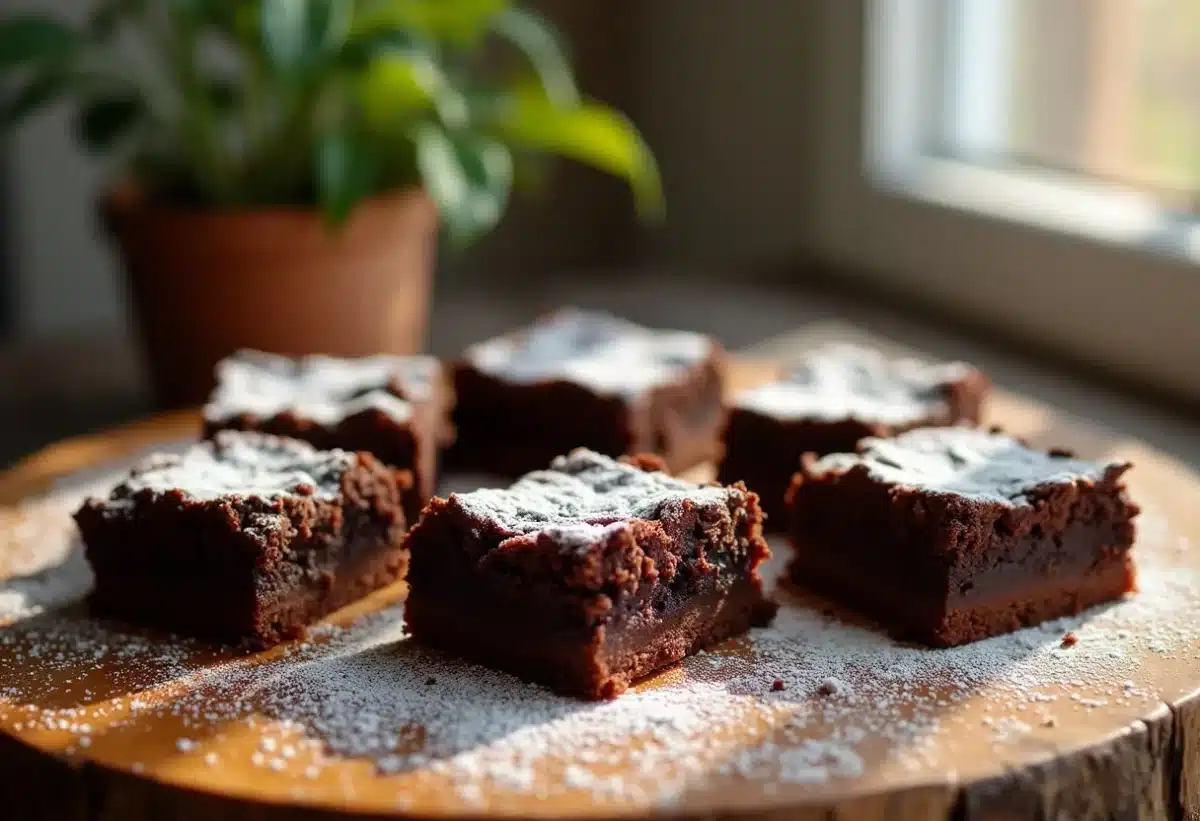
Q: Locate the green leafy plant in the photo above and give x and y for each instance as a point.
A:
(245, 103)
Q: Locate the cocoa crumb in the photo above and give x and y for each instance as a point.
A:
(1069, 640)
(429, 682)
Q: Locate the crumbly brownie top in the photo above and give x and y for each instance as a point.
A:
(596, 350)
(974, 463)
(321, 388)
(582, 495)
(852, 382)
(241, 464)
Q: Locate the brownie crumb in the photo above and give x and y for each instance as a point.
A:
(777, 686)
(834, 687)
(429, 682)
(1069, 640)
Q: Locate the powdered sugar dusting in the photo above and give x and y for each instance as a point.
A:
(966, 461)
(323, 389)
(242, 463)
(593, 349)
(838, 382)
(811, 703)
(583, 492)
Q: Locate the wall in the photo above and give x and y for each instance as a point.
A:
(724, 94)
(65, 276)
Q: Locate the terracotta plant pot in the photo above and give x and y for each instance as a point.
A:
(204, 284)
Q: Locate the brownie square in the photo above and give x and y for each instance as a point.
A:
(829, 400)
(949, 535)
(395, 408)
(245, 538)
(586, 379)
(589, 575)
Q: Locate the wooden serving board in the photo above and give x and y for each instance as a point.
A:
(817, 717)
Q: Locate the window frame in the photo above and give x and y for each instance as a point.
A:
(1017, 252)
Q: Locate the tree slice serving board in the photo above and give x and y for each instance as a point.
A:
(819, 716)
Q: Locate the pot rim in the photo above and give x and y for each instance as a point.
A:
(127, 199)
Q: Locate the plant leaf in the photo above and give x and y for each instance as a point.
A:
(462, 22)
(345, 172)
(38, 92)
(285, 33)
(537, 39)
(298, 34)
(108, 15)
(469, 178)
(397, 85)
(214, 12)
(591, 133)
(26, 40)
(360, 49)
(247, 26)
(224, 94)
(102, 122)
(489, 167)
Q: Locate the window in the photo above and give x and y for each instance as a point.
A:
(1106, 89)
(1032, 165)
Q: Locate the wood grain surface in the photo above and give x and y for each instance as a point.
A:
(1125, 759)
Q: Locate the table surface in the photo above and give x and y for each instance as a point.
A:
(1021, 726)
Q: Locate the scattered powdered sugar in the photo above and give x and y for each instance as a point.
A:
(799, 760)
(22, 597)
(811, 700)
(42, 565)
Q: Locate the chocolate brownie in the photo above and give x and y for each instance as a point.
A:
(588, 575)
(394, 407)
(829, 400)
(245, 537)
(586, 379)
(949, 535)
